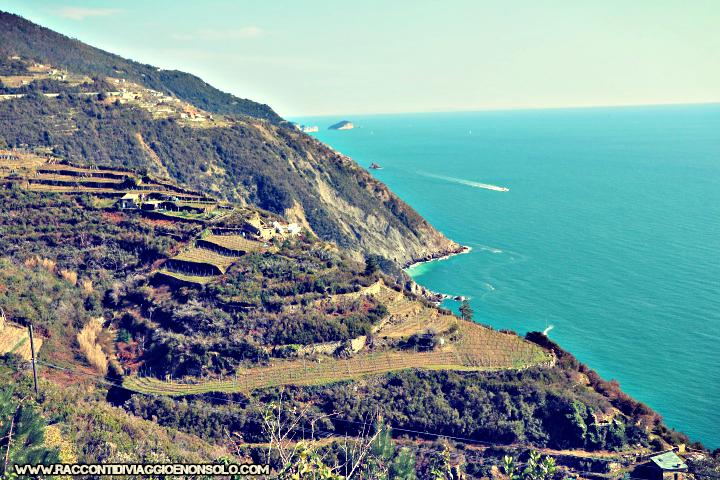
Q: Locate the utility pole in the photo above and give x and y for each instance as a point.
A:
(32, 351)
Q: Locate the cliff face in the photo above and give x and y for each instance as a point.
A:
(378, 231)
(366, 216)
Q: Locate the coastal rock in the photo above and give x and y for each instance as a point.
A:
(449, 249)
(375, 166)
(421, 291)
(344, 125)
(307, 129)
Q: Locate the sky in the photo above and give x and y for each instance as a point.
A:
(342, 57)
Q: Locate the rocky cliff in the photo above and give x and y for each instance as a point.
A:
(368, 217)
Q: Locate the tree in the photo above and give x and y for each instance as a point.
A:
(300, 459)
(536, 469)
(380, 464)
(440, 468)
(466, 312)
(22, 433)
(371, 265)
(307, 464)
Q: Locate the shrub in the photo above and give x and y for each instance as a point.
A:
(70, 276)
(48, 265)
(87, 339)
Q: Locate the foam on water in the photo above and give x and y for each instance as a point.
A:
(464, 182)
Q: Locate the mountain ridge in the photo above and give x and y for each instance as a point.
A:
(20, 37)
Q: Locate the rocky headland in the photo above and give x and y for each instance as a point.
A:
(344, 125)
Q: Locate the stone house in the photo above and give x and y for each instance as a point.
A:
(130, 200)
(663, 466)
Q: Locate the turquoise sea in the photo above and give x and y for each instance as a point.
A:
(609, 233)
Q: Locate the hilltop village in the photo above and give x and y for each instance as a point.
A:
(122, 91)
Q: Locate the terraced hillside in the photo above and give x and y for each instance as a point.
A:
(211, 257)
(201, 262)
(465, 346)
(490, 354)
(42, 172)
(231, 245)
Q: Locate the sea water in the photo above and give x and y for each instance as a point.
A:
(608, 237)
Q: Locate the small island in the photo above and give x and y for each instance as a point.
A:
(375, 166)
(344, 125)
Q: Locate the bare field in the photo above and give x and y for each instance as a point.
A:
(19, 161)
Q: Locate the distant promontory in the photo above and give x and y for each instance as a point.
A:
(344, 125)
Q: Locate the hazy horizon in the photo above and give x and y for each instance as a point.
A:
(509, 109)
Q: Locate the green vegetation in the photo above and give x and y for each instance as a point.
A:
(255, 170)
(332, 344)
(86, 427)
(22, 434)
(536, 469)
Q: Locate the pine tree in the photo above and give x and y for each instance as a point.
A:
(403, 466)
(22, 433)
(380, 464)
(371, 265)
(466, 312)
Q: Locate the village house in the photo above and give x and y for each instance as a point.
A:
(255, 226)
(131, 200)
(664, 466)
(282, 228)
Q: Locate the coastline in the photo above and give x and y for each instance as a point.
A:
(442, 256)
(430, 295)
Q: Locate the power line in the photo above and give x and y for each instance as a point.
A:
(329, 434)
(415, 432)
(479, 443)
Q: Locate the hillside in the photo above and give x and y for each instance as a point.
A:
(195, 274)
(249, 161)
(249, 311)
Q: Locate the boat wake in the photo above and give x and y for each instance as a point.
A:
(464, 182)
(547, 330)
